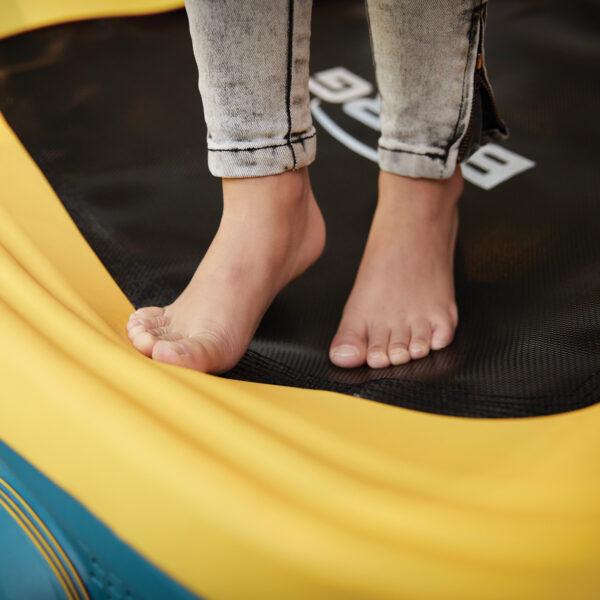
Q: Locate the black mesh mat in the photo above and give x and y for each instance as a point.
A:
(110, 111)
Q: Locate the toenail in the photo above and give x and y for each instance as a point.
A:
(344, 352)
(398, 351)
(399, 354)
(378, 359)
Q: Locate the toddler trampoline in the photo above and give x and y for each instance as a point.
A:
(472, 474)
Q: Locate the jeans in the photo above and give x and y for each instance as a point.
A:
(437, 106)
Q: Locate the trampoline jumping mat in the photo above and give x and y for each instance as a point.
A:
(110, 111)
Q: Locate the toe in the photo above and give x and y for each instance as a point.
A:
(169, 352)
(420, 338)
(149, 311)
(150, 323)
(156, 326)
(379, 339)
(443, 333)
(398, 348)
(134, 330)
(349, 346)
(133, 321)
(187, 352)
(143, 341)
(453, 311)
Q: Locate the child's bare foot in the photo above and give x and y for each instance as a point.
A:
(271, 231)
(402, 304)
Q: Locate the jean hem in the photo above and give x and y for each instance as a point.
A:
(266, 159)
(415, 163)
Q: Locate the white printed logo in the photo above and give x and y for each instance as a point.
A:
(488, 167)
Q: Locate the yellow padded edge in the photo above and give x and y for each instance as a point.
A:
(17, 16)
(242, 490)
(255, 491)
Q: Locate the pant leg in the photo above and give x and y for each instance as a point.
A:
(252, 58)
(436, 103)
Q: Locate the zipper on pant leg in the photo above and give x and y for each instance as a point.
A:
(485, 123)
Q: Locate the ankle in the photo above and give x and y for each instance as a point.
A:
(431, 197)
(275, 217)
(282, 192)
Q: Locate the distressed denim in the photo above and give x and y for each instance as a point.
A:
(437, 106)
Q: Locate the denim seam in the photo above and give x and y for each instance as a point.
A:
(288, 85)
(372, 45)
(474, 12)
(289, 143)
(430, 155)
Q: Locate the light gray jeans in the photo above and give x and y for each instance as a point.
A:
(437, 106)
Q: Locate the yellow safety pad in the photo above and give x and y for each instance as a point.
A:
(242, 490)
(17, 16)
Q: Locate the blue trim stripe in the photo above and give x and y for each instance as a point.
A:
(91, 561)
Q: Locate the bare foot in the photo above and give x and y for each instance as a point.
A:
(402, 304)
(270, 232)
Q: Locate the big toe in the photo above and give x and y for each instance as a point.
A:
(187, 352)
(348, 348)
(170, 352)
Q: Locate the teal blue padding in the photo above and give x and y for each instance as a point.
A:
(109, 568)
(24, 573)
